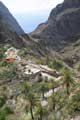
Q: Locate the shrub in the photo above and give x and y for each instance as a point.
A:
(56, 64)
(2, 115)
(8, 110)
(78, 68)
(2, 101)
(2, 52)
(23, 52)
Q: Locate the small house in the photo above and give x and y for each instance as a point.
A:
(12, 55)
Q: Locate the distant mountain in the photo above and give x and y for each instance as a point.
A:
(63, 23)
(61, 32)
(7, 21)
(11, 33)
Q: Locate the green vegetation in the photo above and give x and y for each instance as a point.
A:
(23, 52)
(8, 110)
(68, 79)
(5, 112)
(9, 71)
(2, 52)
(2, 101)
(30, 100)
(2, 115)
(78, 67)
(43, 87)
(4, 109)
(56, 64)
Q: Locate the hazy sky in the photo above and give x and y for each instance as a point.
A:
(30, 13)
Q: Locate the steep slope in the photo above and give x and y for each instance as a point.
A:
(63, 23)
(7, 19)
(11, 33)
(61, 32)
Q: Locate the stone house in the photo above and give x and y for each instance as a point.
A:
(12, 55)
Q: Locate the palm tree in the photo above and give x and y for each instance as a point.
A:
(30, 97)
(52, 84)
(68, 79)
(53, 101)
(60, 99)
(57, 101)
(39, 111)
(26, 88)
(43, 87)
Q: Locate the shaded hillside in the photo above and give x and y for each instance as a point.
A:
(11, 33)
(63, 23)
(62, 29)
(7, 18)
(9, 28)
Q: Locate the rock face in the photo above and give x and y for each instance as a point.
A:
(6, 19)
(10, 31)
(61, 27)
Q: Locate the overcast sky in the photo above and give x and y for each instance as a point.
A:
(25, 8)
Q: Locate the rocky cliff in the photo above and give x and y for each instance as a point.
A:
(62, 24)
(7, 21)
(11, 33)
(61, 32)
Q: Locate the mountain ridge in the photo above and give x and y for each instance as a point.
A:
(67, 7)
(9, 20)
(61, 32)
